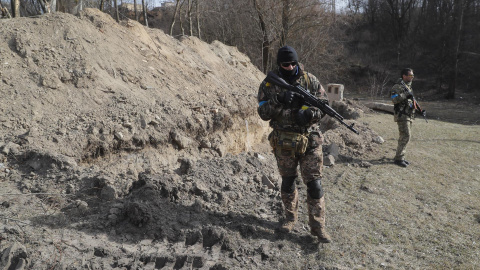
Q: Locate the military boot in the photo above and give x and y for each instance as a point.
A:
(316, 219)
(290, 204)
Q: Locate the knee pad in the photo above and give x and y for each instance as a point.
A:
(314, 189)
(288, 184)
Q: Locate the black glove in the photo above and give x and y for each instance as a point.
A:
(288, 97)
(303, 117)
(409, 96)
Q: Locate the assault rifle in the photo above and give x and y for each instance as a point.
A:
(308, 98)
(415, 103)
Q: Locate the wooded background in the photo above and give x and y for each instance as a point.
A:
(362, 43)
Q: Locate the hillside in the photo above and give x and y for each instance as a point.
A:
(124, 148)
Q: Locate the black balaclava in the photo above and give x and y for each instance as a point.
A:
(287, 54)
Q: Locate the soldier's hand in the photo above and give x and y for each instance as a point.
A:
(303, 117)
(409, 96)
(288, 97)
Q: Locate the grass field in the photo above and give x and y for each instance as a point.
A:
(425, 216)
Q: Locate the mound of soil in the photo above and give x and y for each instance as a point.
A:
(124, 148)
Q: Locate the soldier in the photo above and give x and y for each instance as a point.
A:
(404, 113)
(296, 140)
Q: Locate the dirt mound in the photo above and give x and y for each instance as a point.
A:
(145, 151)
(86, 86)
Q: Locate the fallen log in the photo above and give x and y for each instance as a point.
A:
(380, 106)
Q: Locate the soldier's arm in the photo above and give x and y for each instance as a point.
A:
(319, 92)
(398, 94)
(268, 105)
(316, 88)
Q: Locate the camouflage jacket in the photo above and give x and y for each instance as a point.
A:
(284, 117)
(404, 108)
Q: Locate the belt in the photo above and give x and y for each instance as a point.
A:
(297, 129)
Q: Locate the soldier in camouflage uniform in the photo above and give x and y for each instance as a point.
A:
(404, 114)
(296, 140)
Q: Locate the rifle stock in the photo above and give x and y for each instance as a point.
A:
(308, 98)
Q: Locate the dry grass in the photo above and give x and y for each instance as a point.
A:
(425, 216)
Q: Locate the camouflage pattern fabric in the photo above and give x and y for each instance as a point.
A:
(405, 133)
(282, 119)
(290, 203)
(279, 115)
(316, 219)
(404, 109)
(311, 162)
(404, 115)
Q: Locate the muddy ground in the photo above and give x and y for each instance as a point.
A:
(124, 148)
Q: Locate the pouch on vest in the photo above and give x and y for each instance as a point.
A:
(283, 141)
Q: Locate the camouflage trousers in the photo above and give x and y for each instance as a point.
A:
(404, 135)
(311, 162)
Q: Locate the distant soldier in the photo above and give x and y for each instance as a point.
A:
(404, 113)
(296, 140)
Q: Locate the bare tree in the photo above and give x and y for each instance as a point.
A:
(371, 10)
(4, 11)
(457, 25)
(180, 17)
(197, 10)
(265, 39)
(45, 6)
(117, 18)
(15, 8)
(144, 13)
(189, 17)
(177, 6)
(399, 19)
(135, 9)
(285, 21)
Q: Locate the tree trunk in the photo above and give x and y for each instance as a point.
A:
(180, 18)
(145, 13)
(53, 6)
(177, 5)
(285, 22)
(135, 9)
(117, 18)
(15, 8)
(371, 12)
(198, 19)
(101, 6)
(79, 6)
(458, 22)
(265, 41)
(189, 14)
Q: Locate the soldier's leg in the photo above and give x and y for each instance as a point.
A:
(404, 133)
(311, 168)
(289, 196)
(287, 166)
